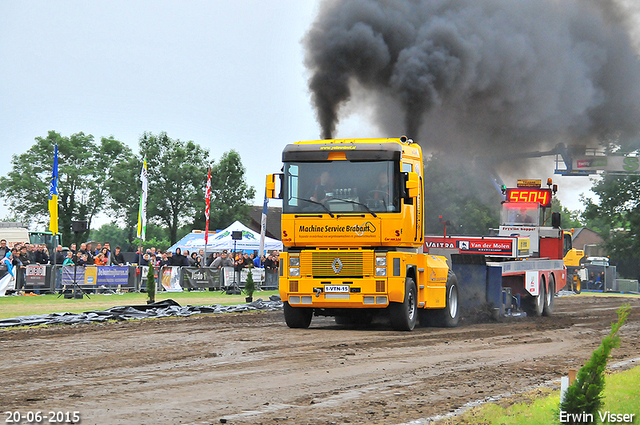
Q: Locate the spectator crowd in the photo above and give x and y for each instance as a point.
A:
(23, 254)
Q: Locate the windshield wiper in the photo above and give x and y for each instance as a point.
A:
(358, 203)
(317, 203)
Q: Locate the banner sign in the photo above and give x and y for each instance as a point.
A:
(171, 279)
(113, 275)
(193, 277)
(626, 164)
(491, 246)
(257, 273)
(35, 275)
(107, 276)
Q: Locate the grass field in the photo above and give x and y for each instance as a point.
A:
(541, 406)
(15, 306)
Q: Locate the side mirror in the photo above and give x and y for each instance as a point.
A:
(412, 184)
(271, 186)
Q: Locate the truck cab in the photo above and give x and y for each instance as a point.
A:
(352, 227)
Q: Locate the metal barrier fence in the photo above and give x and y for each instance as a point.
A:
(48, 278)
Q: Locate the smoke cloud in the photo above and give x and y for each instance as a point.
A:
(481, 75)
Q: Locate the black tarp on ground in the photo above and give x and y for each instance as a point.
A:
(166, 308)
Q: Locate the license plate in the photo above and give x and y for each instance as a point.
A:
(336, 288)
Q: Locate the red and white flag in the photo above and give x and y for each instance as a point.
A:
(207, 199)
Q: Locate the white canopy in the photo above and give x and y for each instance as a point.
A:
(222, 240)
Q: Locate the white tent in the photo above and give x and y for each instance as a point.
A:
(222, 240)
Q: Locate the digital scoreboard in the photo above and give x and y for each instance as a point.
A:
(530, 194)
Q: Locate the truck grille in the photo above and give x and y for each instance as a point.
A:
(337, 263)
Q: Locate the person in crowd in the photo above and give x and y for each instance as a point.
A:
(178, 259)
(100, 260)
(7, 264)
(98, 249)
(259, 262)
(247, 261)
(164, 260)
(24, 257)
(41, 254)
(222, 261)
(4, 248)
(105, 257)
(194, 260)
(31, 252)
(73, 250)
(108, 255)
(82, 260)
(211, 258)
(144, 261)
(271, 263)
(69, 260)
(118, 258)
(58, 257)
(85, 249)
(15, 254)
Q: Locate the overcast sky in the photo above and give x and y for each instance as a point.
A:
(227, 75)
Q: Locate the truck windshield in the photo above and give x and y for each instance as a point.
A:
(340, 186)
(518, 213)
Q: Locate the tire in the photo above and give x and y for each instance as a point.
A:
(297, 317)
(449, 316)
(577, 285)
(536, 304)
(549, 298)
(403, 315)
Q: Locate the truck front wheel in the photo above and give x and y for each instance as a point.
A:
(297, 317)
(403, 315)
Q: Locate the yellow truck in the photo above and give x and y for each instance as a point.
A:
(353, 232)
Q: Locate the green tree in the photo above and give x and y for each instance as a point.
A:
(570, 218)
(585, 394)
(124, 194)
(177, 173)
(112, 233)
(230, 194)
(83, 166)
(616, 216)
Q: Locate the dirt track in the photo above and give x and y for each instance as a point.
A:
(250, 368)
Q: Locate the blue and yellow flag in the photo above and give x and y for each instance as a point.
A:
(53, 196)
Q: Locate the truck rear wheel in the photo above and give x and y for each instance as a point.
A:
(449, 316)
(536, 304)
(549, 298)
(403, 315)
(297, 317)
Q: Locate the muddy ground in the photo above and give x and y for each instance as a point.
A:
(250, 368)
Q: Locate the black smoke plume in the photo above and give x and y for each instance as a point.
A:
(503, 74)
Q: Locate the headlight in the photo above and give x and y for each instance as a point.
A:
(294, 261)
(381, 261)
(294, 271)
(381, 271)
